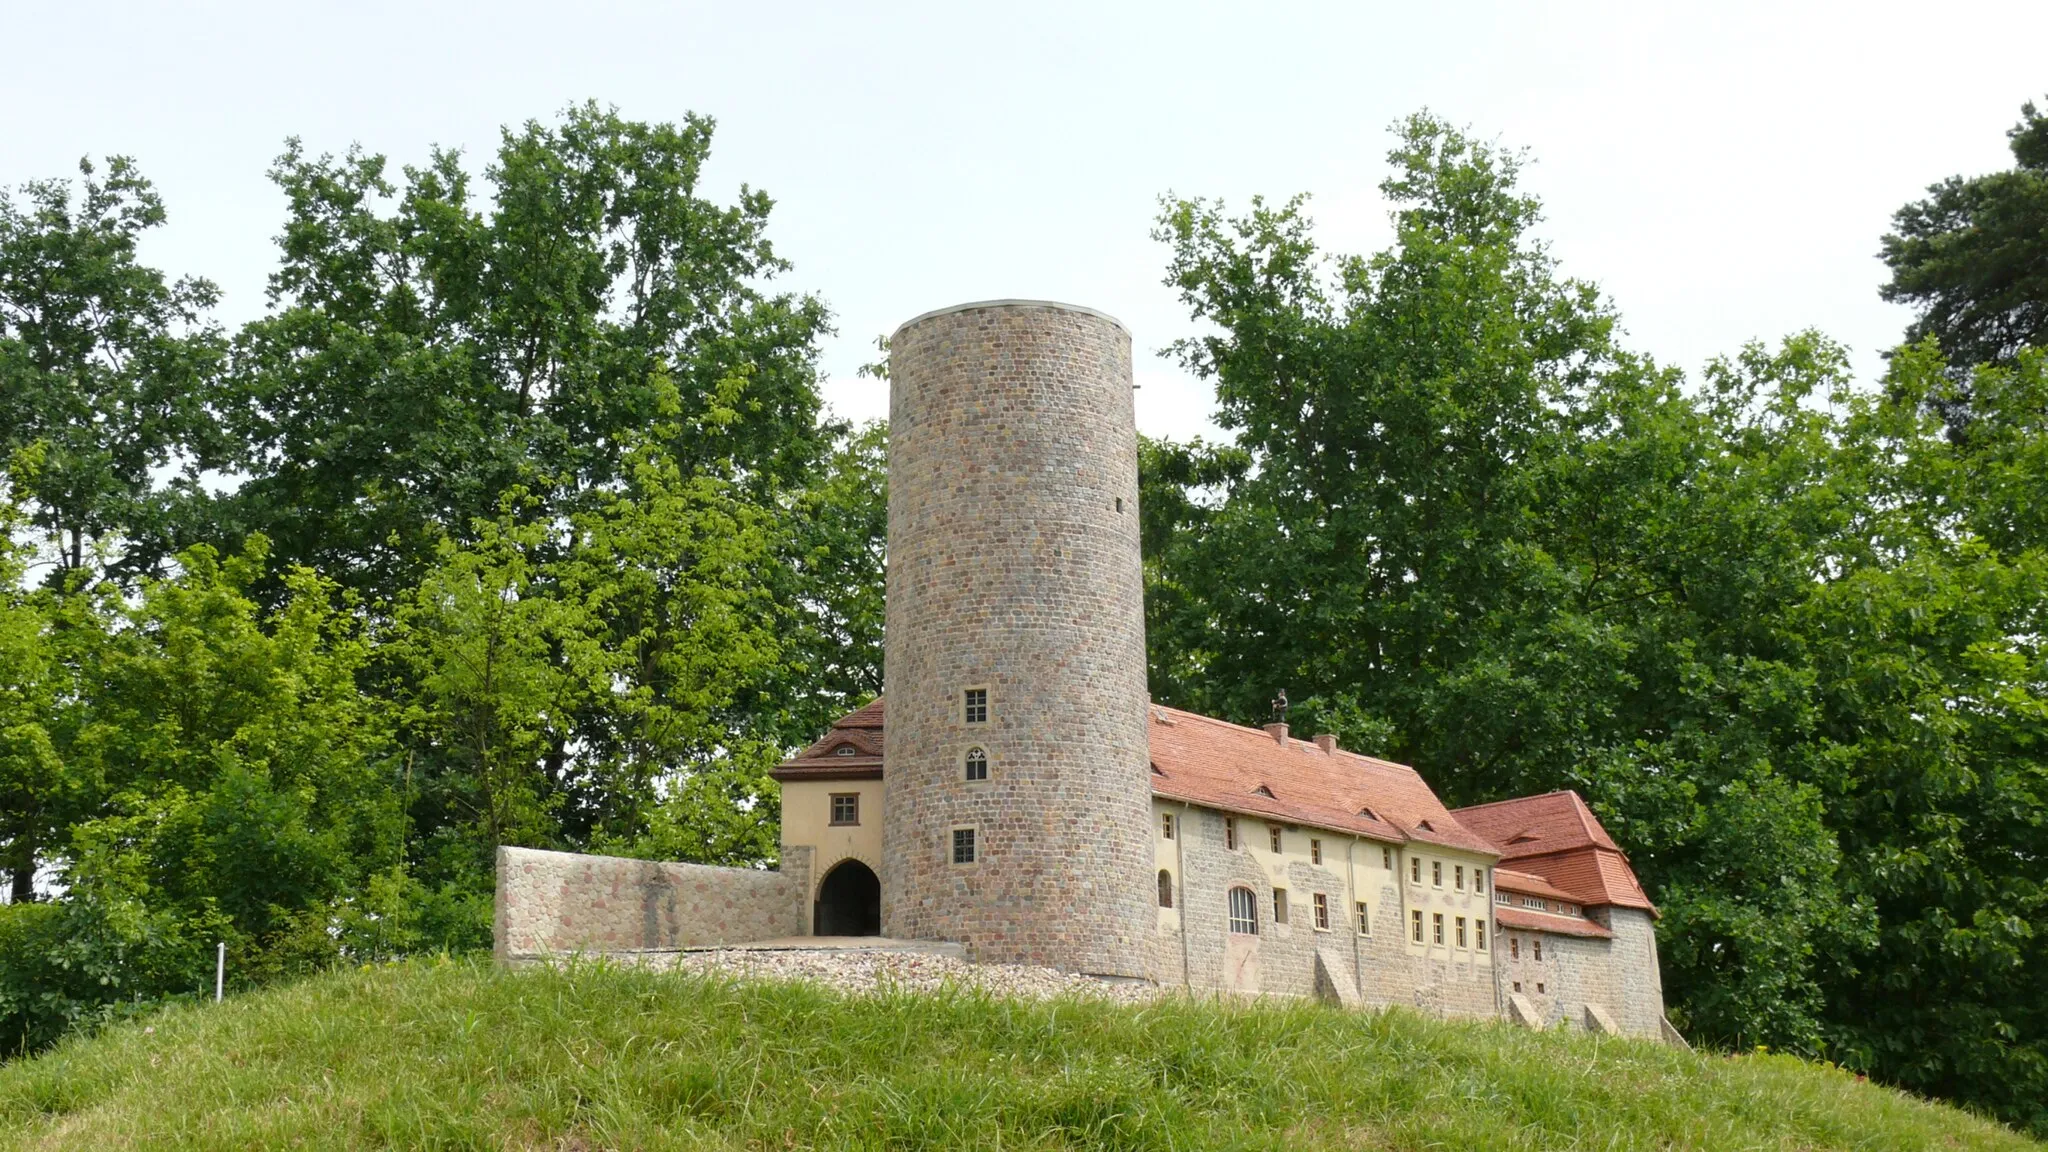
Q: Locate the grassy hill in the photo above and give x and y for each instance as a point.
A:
(459, 1055)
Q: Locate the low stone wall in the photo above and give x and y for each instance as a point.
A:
(550, 903)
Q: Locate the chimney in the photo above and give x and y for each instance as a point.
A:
(1326, 742)
(1278, 732)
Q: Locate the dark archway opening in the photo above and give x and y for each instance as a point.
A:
(849, 902)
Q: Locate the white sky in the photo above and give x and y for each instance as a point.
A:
(1724, 173)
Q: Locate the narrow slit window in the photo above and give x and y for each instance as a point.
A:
(1279, 905)
(1315, 851)
(1364, 919)
(1273, 835)
(977, 764)
(1165, 888)
(1230, 832)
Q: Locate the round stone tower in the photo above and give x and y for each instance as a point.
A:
(1017, 795)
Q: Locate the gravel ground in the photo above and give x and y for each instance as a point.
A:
(878, 971)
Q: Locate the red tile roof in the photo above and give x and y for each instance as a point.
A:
(1528, 884)
(1219, 765)
(1528, 919)
(1557, 837)
(859, 733)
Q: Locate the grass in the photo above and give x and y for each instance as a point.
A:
(461, 1055)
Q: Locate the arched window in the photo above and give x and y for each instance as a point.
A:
(1244, 912)
(1165, 888)
(977, 764)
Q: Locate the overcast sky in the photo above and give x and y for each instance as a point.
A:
(1723, 173)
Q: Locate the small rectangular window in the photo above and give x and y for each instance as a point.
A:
(1322, 912)
(1387, 859)
(1315, 851)
(1279, 905)
(1536, 947)
(1458, 877)
(1479, 881)
(1480, 927)
(1515, 948)
(845, 808)
(1415, 868)
(1500, 897)
(1539, 988)
(1230, 832)
(1436, 873)
(963, 845)
(1166, 825)
(1273, 836)
(1518, 985)
(1436, 925)
(1364, 919)
(974, 705)
(1415, 925)
(1461, 932)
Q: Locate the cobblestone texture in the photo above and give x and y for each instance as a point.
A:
(1013, 565)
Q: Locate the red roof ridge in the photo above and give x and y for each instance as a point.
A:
(1519, 799)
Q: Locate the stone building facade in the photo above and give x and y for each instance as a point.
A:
(1021, 795)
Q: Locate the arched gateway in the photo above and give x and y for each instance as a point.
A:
(849, 902)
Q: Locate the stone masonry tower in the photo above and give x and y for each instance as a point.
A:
(1016, 630)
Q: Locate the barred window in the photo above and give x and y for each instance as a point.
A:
(977, 764)
(1244, 912)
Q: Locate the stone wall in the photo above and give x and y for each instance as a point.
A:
(550, 903)
(1014, 569)
(1638, 982)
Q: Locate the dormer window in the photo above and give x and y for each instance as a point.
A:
(843, 750)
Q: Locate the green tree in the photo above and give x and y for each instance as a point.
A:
(1972, 258)
(428, 349)
(107, 368)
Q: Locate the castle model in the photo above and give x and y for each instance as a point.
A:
(1016, 792)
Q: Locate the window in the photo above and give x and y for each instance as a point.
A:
(1514, 947)
(1461, 932)
(1279, 905)
(1479, 881)
(1244, 912)
(1568, 909)
(1458, 877)
(974, 705)
(1518, 985)
(977, 764)
(1165, 888)
(1230, 832)
(1532, 902)
(1480, 927)
(1166, 825)
(1322, 912)
(845, 808)
(1315, 851)
(1387, 859)
(1415, 925)
(1500, 897)
(1415, 868)
(1539, 987)
(963, 845)
(1364, 919)
(1436, 873)
(1536, 947)
(844, 750)
(1436, 925)
(1273, 836)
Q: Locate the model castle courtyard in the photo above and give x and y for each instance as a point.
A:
(1016, 793)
